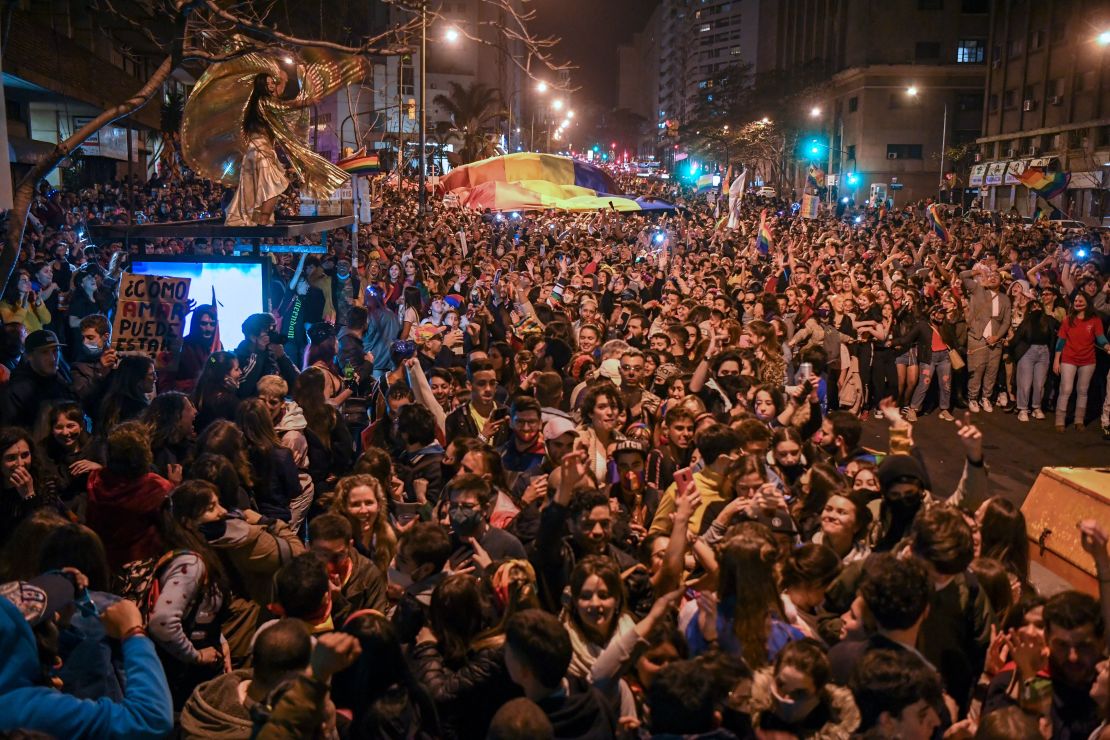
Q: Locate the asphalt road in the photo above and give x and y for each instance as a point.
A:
(1015, 452)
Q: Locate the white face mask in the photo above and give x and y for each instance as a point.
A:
(93, 348)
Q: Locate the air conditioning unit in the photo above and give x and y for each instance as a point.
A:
(1029, 105)
(892, 155)
(1034, 151)
(1056, 100)
(978, 157)
(1010, 153)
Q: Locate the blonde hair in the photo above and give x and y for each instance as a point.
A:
(273, 385)
(383, 538)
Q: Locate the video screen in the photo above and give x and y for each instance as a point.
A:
(238, 285)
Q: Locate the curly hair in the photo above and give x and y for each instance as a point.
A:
(383, 538)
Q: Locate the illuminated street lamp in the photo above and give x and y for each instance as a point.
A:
(815, 112)
(1104, 38)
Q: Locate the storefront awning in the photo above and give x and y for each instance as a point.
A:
(996, 171)
(1014, 170)
(1086, 180)
(978, 172)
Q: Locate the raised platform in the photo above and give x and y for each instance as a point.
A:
(248, 239)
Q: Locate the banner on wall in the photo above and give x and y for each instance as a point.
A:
(150, 317)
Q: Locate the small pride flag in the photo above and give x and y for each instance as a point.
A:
(763, 241)
(1045, 184)
(933, 212)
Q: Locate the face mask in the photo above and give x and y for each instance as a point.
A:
(465, 522)
(822, 313)
(342, 275)
(93, 349)
(791, 711)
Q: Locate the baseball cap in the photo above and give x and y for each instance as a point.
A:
(557, 426)
(424, 332)
(630, 445)
(39, 339)
(41, 597)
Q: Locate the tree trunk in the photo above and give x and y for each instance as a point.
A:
(25, 191)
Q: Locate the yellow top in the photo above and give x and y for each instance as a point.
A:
(708, 484)
(34, 317)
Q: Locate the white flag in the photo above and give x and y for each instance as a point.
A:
(735, 197)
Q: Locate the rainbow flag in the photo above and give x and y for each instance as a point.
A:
(816, 176)
(367, 164)
(933, 213)
(705, 183)
(764, 240)
(1045, 184)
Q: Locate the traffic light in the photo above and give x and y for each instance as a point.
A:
(597, 148)
(853, 178)
(814, 147)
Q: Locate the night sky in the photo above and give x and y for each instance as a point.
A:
(590, 31)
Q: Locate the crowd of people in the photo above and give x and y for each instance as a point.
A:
(548, 475)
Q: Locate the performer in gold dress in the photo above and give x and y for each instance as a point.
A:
(236, 120)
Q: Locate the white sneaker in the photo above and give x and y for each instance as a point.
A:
(987, 405)
(1003, 399)
(1023, 416)
(973, 407)
(1038, 414)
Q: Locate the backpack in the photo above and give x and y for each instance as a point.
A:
(140, 581)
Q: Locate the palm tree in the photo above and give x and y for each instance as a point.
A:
(475, 111)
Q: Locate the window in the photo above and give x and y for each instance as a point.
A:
(926, 51)
(1077, 138)
(1009, 98)
(992, 103)
(930, 4)
(705, 27)
(975, 6)
(903, 151)
(1055, 87)
(970, 101)
(1058, 31)
(851, 151)
(1037, 40)
(853, 104)
(407, 76)
(971, 51)
(1030, 93)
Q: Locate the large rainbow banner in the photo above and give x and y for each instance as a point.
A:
(530, 181)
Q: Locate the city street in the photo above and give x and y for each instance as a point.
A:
(1015, 452)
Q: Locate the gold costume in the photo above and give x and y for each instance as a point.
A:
(216, 146)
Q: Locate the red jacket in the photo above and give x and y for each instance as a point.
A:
(124, 512)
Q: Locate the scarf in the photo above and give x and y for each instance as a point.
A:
(585, 653)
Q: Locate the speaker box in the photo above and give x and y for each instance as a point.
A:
(1059, 499)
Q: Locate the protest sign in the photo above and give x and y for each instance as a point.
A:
(150, 317)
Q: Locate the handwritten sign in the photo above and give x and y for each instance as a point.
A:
(150, 317)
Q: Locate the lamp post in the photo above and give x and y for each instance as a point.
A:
(541, 88)
(423, 104)
(912, 91)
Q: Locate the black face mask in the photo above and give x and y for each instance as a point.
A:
(465, 522)
(213, 530)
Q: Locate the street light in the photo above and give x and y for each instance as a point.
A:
(912, 92)
(765, 121)
(557, 104)
(451, 36)
(570, 114)
(1104, 38)
(541, 87)
(815, 112)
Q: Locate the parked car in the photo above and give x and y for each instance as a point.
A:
(766, 192)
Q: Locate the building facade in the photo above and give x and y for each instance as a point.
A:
(1047, 104)
(887, 84)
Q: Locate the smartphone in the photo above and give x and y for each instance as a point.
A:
(683, 478)
(499, 414)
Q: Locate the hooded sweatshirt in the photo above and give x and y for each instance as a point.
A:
(215, 711)
(146, 710)
(290, 429)
(124, 512)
